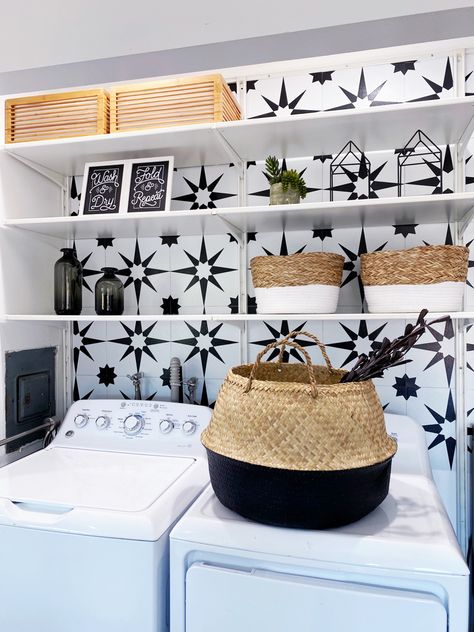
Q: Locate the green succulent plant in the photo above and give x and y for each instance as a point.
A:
(289, 178)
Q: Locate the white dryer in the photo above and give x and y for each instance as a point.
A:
(84, 524)
(399, 569)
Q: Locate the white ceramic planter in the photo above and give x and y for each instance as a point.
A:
(436, 297)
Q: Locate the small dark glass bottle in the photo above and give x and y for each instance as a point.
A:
(68, 284)
(109, 294)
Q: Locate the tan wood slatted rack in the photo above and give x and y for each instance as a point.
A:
(58, 115)
(185, 101)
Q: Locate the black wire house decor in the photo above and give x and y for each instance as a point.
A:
(422, 157)
(350, 173)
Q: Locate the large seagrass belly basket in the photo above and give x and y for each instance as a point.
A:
(289, 445)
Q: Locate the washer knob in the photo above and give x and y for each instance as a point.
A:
(189, 427)
(102, 422)
(81, 420)
(166, 426)
(133, 424)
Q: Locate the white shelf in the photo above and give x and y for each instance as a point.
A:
(431, 209)
(421, 209)
(385, 127)
(227, 318)
(190, 145)
(201, 222)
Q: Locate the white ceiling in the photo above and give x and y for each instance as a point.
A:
(54, 32)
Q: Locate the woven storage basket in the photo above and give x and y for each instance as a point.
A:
(59, 115)
(431, 277)
(289, 445)
(183, 101)
(303, 283)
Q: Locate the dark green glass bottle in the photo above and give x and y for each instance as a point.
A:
(68, 284)
(109, 294)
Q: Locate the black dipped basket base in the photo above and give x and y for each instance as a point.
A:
(298, 499)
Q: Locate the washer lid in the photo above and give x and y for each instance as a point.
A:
(71, 478)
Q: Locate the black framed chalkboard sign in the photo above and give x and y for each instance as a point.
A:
(149, 184)
(103, 188)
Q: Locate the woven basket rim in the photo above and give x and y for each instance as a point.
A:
(257, 383)
(299, 255)
(420, 265)
(414, 250)
(299, 269)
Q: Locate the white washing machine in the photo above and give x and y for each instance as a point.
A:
(399, 569)
(84, 524)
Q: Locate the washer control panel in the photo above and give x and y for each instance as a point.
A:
(147, 427)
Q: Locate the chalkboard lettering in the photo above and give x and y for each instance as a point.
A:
(103, 189)
(149, 186)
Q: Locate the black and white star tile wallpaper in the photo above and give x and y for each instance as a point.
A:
(205, 187)
(204, 273)
(206, 348)
(349, 88)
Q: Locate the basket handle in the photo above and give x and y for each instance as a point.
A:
(294, 334)
(278, 343)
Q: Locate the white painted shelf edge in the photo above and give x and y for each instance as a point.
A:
(446, 121)
(448, 207)
(231, 318)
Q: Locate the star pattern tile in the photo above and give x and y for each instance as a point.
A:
(352, 342)
(81, 341)
(203, 194)
(439, 90)
(283, 106)
(322, 77)
(204, 342)
(444, 428)
(76, 394)
(363, 97)
(406, 387)
(436, 349)
(351, 262)
(105, 242)
(87, 273)
(204, 270)
(138, 272)
(106, 375)
(138, 340)
(404, 66)
(276, 333)
(170, 305)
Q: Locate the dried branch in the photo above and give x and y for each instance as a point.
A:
(390, 353)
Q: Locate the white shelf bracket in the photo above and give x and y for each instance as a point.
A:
(465, 138)
(52, 176)
(465, 221)
(233, 155)
(229, 227)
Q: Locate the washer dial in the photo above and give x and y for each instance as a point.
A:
(81, 420)
(166, 426)
(102, 422)
(133, 424)
(189, 427)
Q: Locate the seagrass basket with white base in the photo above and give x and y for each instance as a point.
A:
(307, 282)
(290, 445)
(431, 277)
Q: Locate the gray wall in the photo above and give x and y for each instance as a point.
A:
(311, 43)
